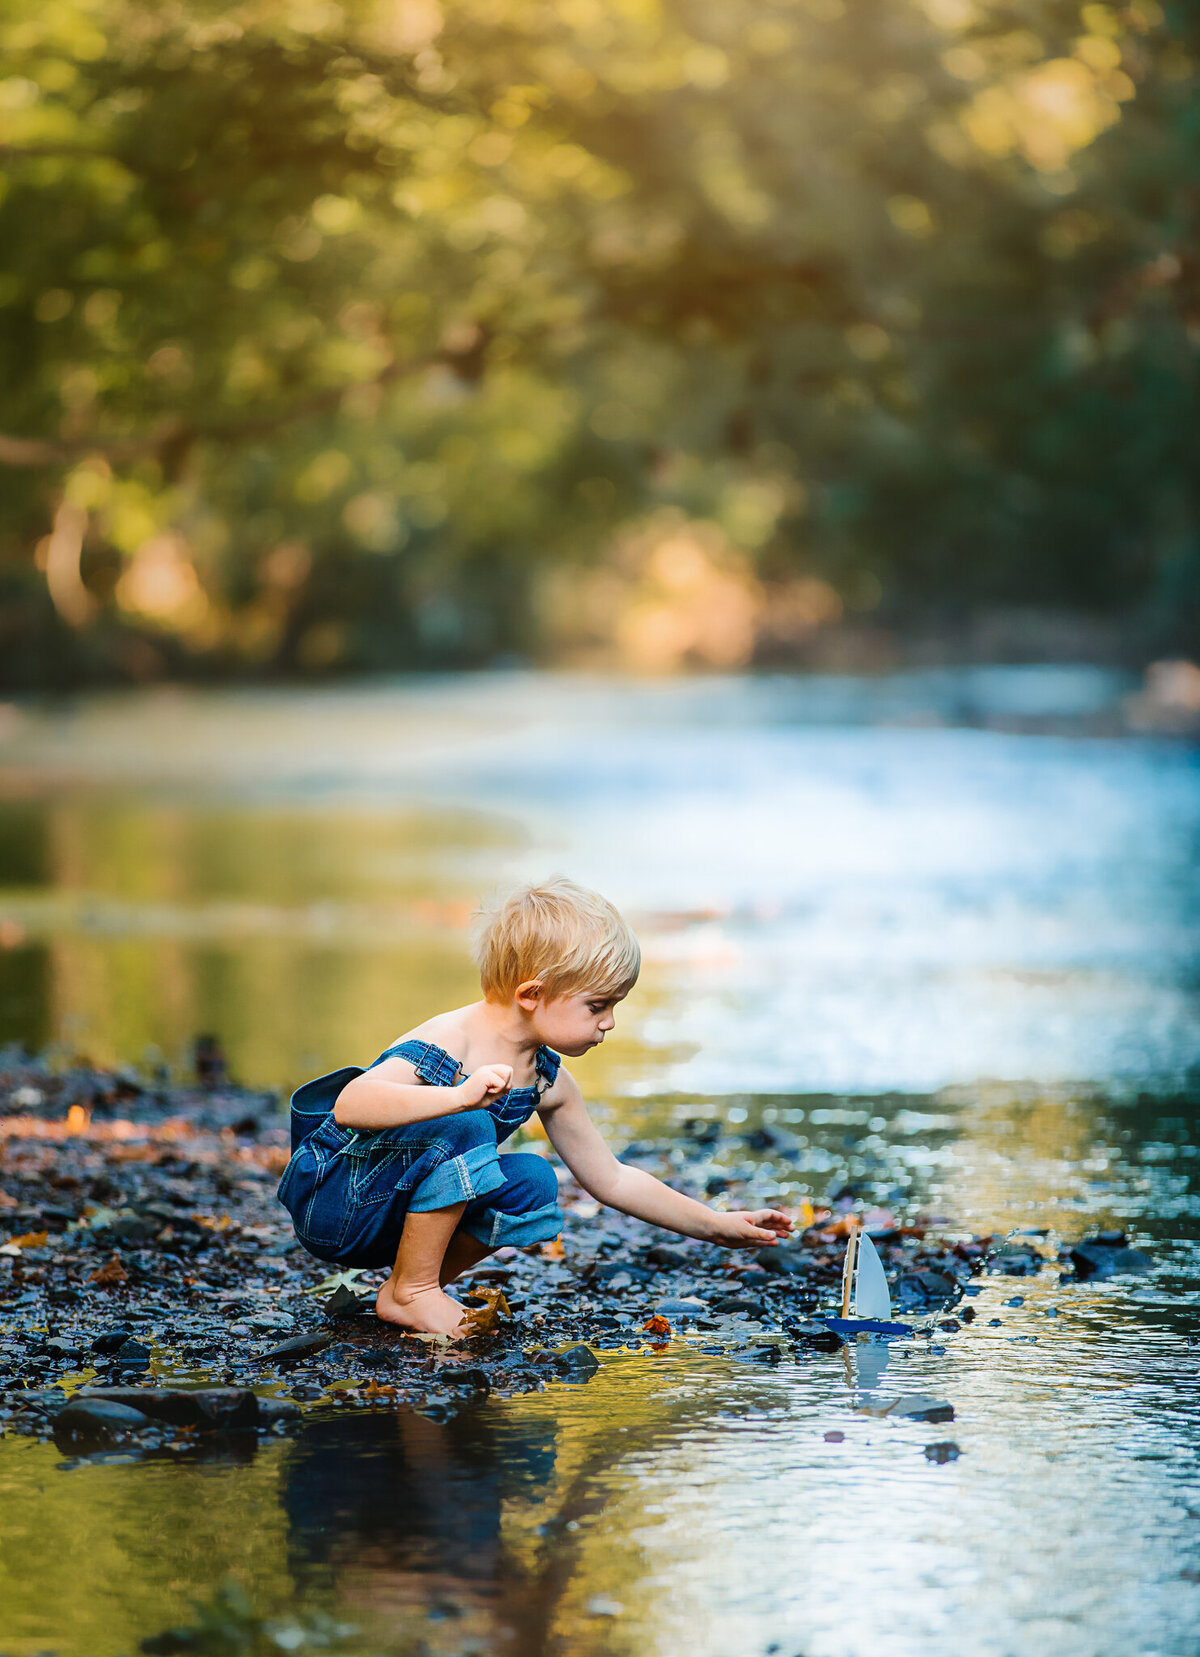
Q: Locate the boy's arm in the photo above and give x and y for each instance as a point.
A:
(573, 1135)
(389, 1095)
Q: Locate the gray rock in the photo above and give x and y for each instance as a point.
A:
(942, 1452)
(681, 1308)
(201, 1407)
(927, 1288)
(467, 1376)
(577, 1363)
(92, 1420)
(1097, 1257)
(919, 1407)
(272, 1410)
(299, 1346)
(1016, 1260)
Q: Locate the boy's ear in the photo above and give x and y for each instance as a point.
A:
(529, 994)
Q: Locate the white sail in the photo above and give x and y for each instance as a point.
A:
(871, 1298)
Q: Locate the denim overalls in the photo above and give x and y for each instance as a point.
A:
(348, 1190)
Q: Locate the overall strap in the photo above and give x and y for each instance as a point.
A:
(432, 1064)
(547, 1062)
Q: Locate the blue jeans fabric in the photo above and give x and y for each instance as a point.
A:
(349, 1191)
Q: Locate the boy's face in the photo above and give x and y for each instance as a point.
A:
(576, 1021)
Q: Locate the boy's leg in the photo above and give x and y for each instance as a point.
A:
(522, 1211)
(412, 1295)
(463, 1252)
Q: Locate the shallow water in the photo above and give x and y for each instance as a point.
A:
(956, 957)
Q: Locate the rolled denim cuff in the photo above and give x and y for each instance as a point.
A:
(472, 1174)
(497, 1230)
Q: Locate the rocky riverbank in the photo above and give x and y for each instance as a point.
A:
(154, 1299)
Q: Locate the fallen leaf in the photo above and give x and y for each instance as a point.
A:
(373, 1389)
(657, 1326)
(110, 1275)
(31, 1240)
(483, 1319)
(553, 1250)
(339, 1280)
(214, 1222)
(6, 1201)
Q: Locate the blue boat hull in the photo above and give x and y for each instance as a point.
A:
(848, 1327)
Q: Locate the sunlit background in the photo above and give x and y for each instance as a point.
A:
(742, 456)
(646, 333)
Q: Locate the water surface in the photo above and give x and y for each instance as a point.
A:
(942, 928)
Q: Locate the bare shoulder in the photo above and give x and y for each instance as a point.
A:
(564, 1090)
(445, 1030)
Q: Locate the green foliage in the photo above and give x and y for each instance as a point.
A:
(337, 327)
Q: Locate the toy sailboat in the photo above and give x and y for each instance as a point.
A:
(863, 1280)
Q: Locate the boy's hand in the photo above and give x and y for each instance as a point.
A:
(487, 1082)
(750, 1229)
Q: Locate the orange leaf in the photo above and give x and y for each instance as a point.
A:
(31, 1240)
(373, 1389)
(483, 1319)
(657, 1326)
(110, 1274)
(214, 1222)
(553, 1250)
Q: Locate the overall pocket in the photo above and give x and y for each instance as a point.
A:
(315, 1188)
(380, 1170)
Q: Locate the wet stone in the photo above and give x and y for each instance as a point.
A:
(922, 1408)
(1097, 1257)
(469, 1377)
(110, 1339)
(1016, 1260)
(96, 1419)
(942, 1452)
(926, 1288)
(577, 1363)
(298, 1347)
(740, 1303)
(681, 1308)
(202, 1407)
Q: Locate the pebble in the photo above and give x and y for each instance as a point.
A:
(297, 1347)
(942, 1452)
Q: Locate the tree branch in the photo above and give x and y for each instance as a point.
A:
(178, 436)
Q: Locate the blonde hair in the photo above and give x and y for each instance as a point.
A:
(563, 935)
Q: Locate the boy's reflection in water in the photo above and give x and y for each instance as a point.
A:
(402, 1514)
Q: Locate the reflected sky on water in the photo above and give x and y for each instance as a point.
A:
(841, 884)
(940, 927)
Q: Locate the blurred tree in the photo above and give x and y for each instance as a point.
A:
(329, 331)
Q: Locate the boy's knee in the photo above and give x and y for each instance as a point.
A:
(470, 1128)
(537, 1180)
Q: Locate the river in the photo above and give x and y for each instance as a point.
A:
(941, 925)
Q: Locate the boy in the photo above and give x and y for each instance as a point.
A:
(397, 1164)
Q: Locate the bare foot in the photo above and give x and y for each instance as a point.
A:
(426, 1310)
